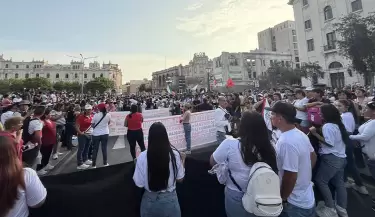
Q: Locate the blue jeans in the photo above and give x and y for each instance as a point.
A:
(220, 137)
(160, 204)
(233, 204)
(187, 130)
(96, 140)
(294, 211)
(84, 143)
(331, 169)
(351, 167)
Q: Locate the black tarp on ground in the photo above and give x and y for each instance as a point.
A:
(110, 192)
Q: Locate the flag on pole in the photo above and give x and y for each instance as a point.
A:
(230, 82)
(266, 114)
(169, 89)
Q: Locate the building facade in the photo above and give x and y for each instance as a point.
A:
(74, 72)
(317, 38)
(281, 38)
(246, 68)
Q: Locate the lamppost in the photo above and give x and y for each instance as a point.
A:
(82, 59)
(208, 70)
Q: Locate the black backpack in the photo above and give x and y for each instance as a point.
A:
(26, 136)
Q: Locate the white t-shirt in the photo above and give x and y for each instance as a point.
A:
(229, 150)
(293, 154)
(348, 121)
(35, 125)
(140, 176)
(5, 116)
(32, 195)
(332, 136)
(103, 127)
(300, 103)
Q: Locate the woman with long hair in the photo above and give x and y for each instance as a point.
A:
(157, 170)
(133, 122)
(332, 162)
(253, 146)
(20, 188)
(100, 125)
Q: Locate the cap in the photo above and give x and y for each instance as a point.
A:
(88, 107)
(309, 89)
(25, 102)
(286, 110)
(101, 106)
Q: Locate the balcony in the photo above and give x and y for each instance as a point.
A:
(330, 48)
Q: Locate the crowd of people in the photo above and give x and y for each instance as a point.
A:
(317, 140)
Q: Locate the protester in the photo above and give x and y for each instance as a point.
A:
(58, 116)
(185, 119)
(240, 154)
(157, 171)
(295, 160)
(222, 118)
(133, 122)
(84, 131)
(300, 105)
(20, 188)
(100, 124)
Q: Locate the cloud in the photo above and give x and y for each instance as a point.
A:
(231, 19)
(133, 66)
(194, 6)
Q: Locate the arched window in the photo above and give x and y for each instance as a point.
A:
(37, 75)
(93, 75)
(17, 66)
(66, 75)
(85, 75)
(27, 66)
(6, 75)
(16, 75)
(335, 65)
(328, 13)
(48, 75)
(6, 66)
(101, 75)
(75, 75)
(27, 75)
(57, 75)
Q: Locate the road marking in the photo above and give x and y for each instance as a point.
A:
(120, 143)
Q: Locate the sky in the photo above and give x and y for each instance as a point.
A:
(142, 36)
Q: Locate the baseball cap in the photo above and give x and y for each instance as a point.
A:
(88, 107)
(286, 110)
(101, 106)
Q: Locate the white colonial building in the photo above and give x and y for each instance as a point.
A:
(245, 68)
(74, 72)
(281, 38)
(317, 38)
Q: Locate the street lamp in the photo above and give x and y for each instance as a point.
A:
(208, 70)
(82, 59)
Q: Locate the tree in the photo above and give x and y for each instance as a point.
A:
(35, 83)
(59, 86)
(278, 74)
(312, 71)
(16, 85)
(99, 84)
(357, 43)
(4, 86)
(142, 88)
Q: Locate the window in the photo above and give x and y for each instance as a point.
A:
(298, 66)
(328, 13)
(16, 75)
(75, 75)
(48, 75)
(57, 75)
(335, 65)
(101, 75)
(271, 62)
(331, 41)
(297, 59)
(356, 5)
(85, 76)
(294, 32)
(93, 75)
(6, 66)
(27, 75)
(17, 66)
(305, 2)
(264, 63)
(6, 76)
(249, 74)
(308, 24)
(37, 75)
(310, 45)
(254, 74)
(27, 66)
(233, 61)
(67, 75)
(295, 45)
(296, 52)
(294, 38)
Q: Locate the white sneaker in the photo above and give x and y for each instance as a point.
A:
(348, 184)
(341, 211)
(88, 162)
(83, 167)
(59, 153)
(187, 152)
(93, 167)
(360, 189)
(55, 156)
(42, 172)
(326, 212)
(105, 165)
(48, 167)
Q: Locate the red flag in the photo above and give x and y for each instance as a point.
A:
(230, 83)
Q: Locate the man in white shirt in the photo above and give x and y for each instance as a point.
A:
(295, 160)
(222, 120)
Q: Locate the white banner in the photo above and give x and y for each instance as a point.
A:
(116, 127)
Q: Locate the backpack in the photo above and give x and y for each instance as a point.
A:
(262, 196)
(313, 115)
(26, 136)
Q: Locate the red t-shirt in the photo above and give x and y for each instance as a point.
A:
(84, 122)
(18, 146)
(49, 133)
(135, 122)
